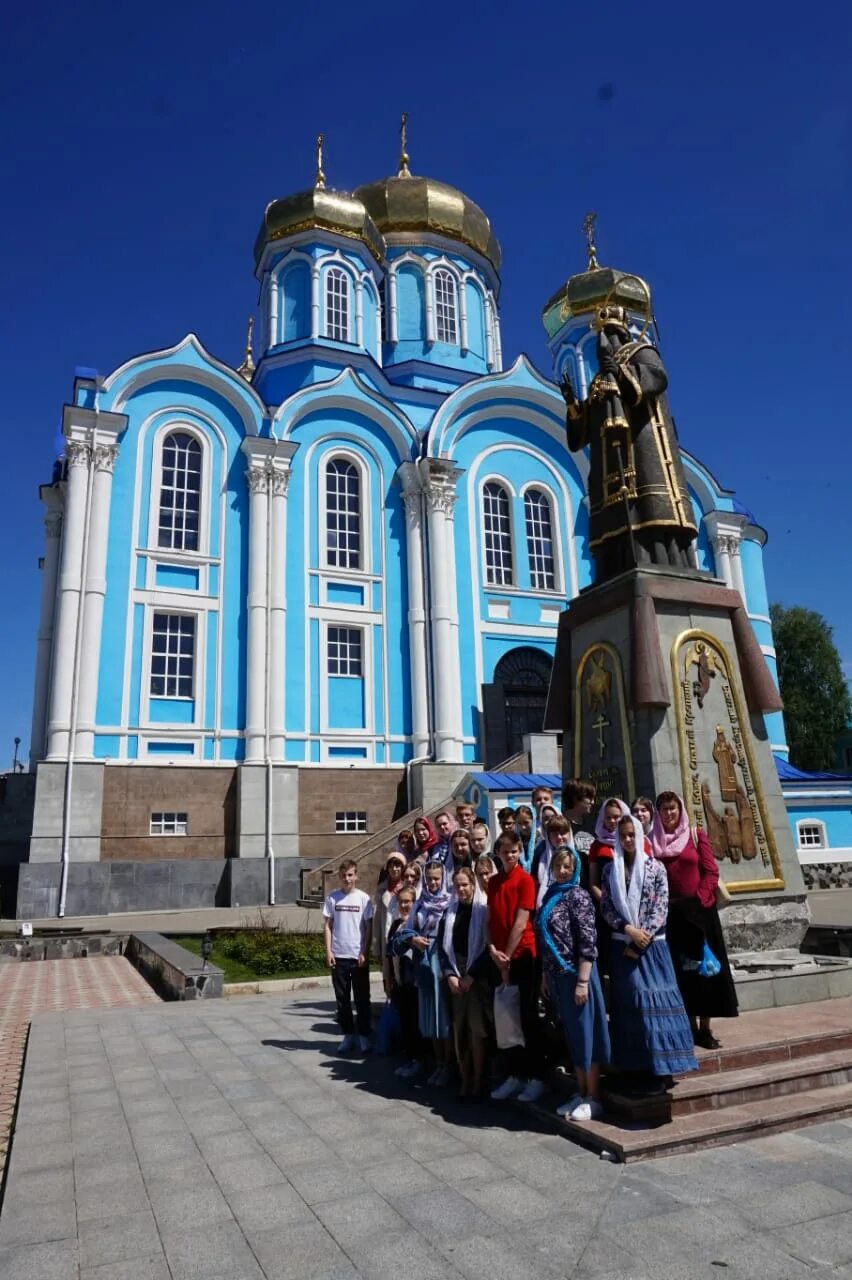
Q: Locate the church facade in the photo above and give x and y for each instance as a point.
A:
(284, 602)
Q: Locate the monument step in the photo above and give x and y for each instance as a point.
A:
(713, 1128)
(716, 1091)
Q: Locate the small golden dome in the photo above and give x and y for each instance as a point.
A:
(408, 203)
(584, 293)
(337, 211)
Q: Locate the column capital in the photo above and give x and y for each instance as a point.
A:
(78, 453)
(279, 480)
(53, 524)
(438, 478)
(257, 477)
(105, 457)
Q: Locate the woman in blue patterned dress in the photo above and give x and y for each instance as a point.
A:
(648, 1024)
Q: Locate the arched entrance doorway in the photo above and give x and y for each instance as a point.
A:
(513, 704)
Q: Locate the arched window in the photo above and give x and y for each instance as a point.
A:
(343, 514)
(180, 493)
(497, 521)
(540, 540)
(446, 307)
(337, 304)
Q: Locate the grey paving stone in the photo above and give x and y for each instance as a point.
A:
(302, 1250)
(637, 1197)
(508, 1200)
(214, 1249)
(492, 1256)
(318, 1183)
(105, 1240)
(233, 1144)
(112, 1199)
(378, 1258)
(54, 1261)
(262, 1209)
(40, 1187)
(402, 1177)
(91, 1173)
(457, 1216)
(170, 1175)
(150, 1268)
(357, 1216)
(801, 1202)
(455, 1170)
(37, 1222)
(244, 1172)
(824, 1242)
(190, 1210)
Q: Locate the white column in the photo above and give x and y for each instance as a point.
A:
(272, 284)
(737, 566)
(279, 478)
(393, 326)
(720, 543)
(498, 342)
(315, 300)
(429, 283)
(439, 487)
(104, 455)
(359, 312)
(52, 528)
(412, 497)
(258, 482)
(463, 334)
(78, 456)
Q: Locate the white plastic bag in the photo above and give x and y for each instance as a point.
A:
(507, 1017)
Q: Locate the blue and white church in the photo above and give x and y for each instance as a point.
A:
(286, 602)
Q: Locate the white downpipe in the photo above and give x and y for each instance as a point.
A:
(270, 852)
(75, 680)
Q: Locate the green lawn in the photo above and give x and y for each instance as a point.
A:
(235, 971)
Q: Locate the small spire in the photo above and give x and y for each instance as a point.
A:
(404, 158)
(589, 232)
(319, 180)
(246, 369)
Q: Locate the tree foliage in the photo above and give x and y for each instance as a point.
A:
(810, 673)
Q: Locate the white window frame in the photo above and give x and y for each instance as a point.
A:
(549, 498)
(447, 320)
(335, 270)
(169, 822)
(151, 543)
(172, 546)
(345, 455)
(488, 579)
(165, 611)
(350, 822)
(817, 827)
(351, 630)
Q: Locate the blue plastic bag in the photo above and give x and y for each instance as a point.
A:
(709, 966)
(388, 1031)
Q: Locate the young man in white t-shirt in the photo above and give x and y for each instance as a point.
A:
(348, 916)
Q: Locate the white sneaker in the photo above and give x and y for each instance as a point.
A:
(587, 1110)
(568, 1107)
(364, 1044)
(347, 1044)
(508, 1089)
(532, 1091)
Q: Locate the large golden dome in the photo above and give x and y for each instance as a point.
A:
(585, 292)
(408, 203)
(337, 211)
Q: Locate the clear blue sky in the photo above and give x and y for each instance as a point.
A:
(142, 144)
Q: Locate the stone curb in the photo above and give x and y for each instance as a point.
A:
(272, 986)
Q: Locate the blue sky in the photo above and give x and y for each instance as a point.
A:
(141, 146)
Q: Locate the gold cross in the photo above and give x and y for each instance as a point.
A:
(319, 180)
(589, 232)
(600, 724)
(404, 158)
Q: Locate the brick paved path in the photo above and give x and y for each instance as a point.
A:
(224, 1138)
(40, 986)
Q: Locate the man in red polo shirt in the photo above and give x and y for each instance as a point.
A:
(511, 903)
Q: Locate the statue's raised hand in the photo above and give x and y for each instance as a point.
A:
(567, 389)
(608, 364)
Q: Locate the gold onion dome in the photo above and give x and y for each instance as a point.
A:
(319, 207)
(584, 293)
(407, 203)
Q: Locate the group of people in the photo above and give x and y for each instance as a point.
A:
(609, 932)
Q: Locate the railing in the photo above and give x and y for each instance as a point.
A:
(315, 881)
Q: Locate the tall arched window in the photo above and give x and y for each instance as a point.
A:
(342, 514)
(446, 307)
(337, 304)
(497, 522)
(180, 493)
(540, 540)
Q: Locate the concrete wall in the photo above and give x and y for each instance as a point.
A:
(17, 801)
(324, 792)
(132, 793)
(85, 817)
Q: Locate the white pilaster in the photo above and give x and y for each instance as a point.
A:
(737, 566)
(104, 455)
(431, 330)
(52, 498)
(439, 485)
(721, 553)
(393, 325)
(315, 300)
(78, 455)
(279, 478)
(359, 312)
(412, 497)
(463, 334)
(272, 284)
(257, 478)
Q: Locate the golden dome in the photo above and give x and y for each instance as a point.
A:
(409, 203)
(584, 293)
(337, 211)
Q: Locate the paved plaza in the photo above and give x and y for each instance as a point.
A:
(96, 982)
(224, 1138)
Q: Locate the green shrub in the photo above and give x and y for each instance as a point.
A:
(267, 951)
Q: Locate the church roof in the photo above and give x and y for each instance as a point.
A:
(319, 206)
(789, 773)
(410, 203)
(589, 290)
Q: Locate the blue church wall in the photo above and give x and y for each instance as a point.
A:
(414, 297)
(836, 819)
(757, 599)
(294, 305)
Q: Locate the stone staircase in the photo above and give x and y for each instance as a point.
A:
(780, 1069)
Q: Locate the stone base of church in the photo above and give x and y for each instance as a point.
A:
(659, 684)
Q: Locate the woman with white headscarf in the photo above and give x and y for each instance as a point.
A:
(649, 1029)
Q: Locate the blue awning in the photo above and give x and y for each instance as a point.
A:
(517, 781)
